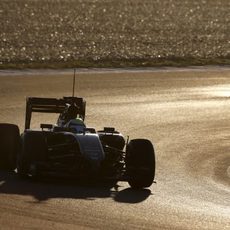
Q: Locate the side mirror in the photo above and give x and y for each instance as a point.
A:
(46, 126)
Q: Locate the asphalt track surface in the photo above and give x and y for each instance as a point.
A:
(186, 114)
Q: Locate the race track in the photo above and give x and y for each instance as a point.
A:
(186, 114)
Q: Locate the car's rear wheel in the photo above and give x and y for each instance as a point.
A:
(140, 163)
(9, 145)
(33, 151)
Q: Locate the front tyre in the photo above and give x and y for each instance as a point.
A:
(140, 163)
(9, 145)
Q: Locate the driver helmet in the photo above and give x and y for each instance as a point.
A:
(76, 124)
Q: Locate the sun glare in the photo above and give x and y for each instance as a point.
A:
(222, 91)
(218, 91)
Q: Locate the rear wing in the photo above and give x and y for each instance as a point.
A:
(51, 105)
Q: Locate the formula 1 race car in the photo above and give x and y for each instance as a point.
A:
(69, 148)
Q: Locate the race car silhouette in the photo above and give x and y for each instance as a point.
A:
(69, 148)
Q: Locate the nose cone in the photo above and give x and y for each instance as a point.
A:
(91, 148)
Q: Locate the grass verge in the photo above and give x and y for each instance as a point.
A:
(117, 63)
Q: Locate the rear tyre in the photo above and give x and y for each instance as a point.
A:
(33, 151)
(140, 163)
(9, 145)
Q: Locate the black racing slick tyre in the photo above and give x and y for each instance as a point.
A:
(9, 145)
(140, 163)
(33, 150)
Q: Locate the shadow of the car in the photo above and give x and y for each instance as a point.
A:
(130, 195)
(46, 189)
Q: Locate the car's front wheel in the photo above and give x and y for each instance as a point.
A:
(9, 145)
(140, 163)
